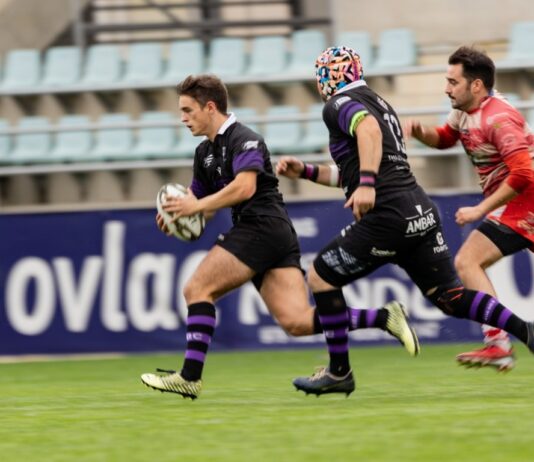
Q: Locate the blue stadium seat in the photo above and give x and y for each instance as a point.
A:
(103, 65)
(112, 143)
(62, 66)
(396, 48)
(5, 142)
(185, 57)
(155, 141)
(144, 64)
(22, 70)
(187, 143)
(226, 57)
(284, 136)
(268, 56)
(360, 41)
(315, 137)
(31, 147)
(306, 46)
(520, 42)
(75, 145)
(242, 113)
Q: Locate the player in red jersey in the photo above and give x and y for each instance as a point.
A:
(500, 145)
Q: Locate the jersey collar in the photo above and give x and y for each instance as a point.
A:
(350, 86)
(231, 120)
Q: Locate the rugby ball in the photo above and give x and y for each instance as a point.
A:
(184, 228)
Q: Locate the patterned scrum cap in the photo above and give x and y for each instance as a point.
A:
(336, 67)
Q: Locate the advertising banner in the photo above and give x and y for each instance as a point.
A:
(109, 281)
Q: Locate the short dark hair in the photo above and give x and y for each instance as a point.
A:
(476, 65)
(204, 88)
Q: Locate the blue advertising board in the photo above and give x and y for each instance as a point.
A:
(109, 281)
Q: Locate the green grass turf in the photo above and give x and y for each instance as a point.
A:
(404, 409)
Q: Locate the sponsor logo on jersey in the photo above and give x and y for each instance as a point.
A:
(382, 253)
(419, 225)
(442, 246)
(250, 145)
(382, 103)
(341, 101)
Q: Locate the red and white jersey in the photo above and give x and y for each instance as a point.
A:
(490, 134)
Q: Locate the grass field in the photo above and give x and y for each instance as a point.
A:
(404, 409)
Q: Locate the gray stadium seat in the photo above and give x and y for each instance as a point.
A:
(268, 56)
(226, 57)
(155, 142)
(306, 46)
(360, 41)
(114, 143)
(144, 63)
(242, 113)
(5, 142)
(103, 65)
(22, 69)
(187, 143)
(185, 57)
(31, 147)
(396, 48)
(315, 137)
(62, 66)
(284, 136)
(72, 146)
(520, 44)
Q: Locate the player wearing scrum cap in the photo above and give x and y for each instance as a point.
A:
(396, 222)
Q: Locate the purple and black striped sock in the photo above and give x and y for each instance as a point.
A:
(358, 319)
(334, 318)
(486, 309)
(200, 328)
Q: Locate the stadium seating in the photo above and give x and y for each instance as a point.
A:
(5, 142)
(185, 57)
(103, 65)
(244, 113)
(360, 41)
(22, 70)
(62, 66)
(268, 56)
(31, 147)
(282, 137)
(155, 142)
(71, 145)
(306, 46)
(226, 57)
(396, 48)
(315, 137)
(520, 42)
(144, 64)
(187, 143)
(112, 143)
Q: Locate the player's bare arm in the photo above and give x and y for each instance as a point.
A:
(426, 134)
(369, 139)
(501, 196)
(240, 189)
(294, 168)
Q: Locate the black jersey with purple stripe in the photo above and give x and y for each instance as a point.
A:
(341, 114)
(237, 148)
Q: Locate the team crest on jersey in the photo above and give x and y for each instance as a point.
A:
(208, 160)
(250, 145)
(341, 101)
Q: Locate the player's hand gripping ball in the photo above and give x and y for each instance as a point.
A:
(184, 228)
